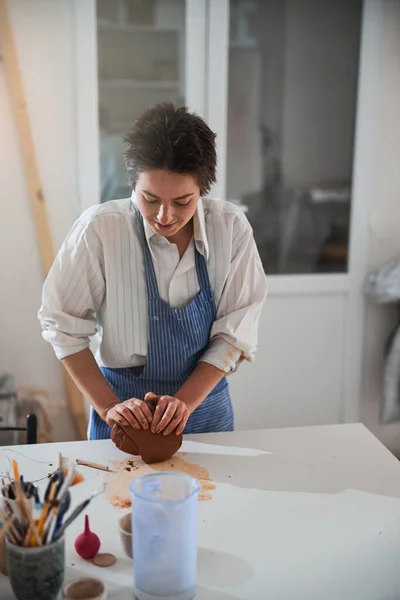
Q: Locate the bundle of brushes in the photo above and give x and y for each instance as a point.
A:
(30, 521)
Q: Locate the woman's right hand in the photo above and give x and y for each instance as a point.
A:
(132, 413)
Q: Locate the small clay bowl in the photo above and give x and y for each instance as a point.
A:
(125, 532)
(86, 588)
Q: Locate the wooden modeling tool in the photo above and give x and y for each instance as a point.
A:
(93, 465)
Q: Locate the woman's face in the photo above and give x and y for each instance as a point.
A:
(166, 200)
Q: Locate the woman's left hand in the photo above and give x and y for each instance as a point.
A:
(170, 414)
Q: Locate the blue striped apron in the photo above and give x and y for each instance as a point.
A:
(177, 339)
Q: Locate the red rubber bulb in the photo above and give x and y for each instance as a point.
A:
(87, 544)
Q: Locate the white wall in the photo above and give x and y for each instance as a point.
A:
(44, 36)
(384, 221)
(296, 378)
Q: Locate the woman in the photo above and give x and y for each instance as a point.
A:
(172, 283)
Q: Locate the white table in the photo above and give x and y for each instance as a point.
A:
(311, 512)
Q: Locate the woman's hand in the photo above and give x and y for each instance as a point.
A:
(132, 413)
(170, 414)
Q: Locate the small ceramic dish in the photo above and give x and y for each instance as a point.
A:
(85, 589)
(125, 532)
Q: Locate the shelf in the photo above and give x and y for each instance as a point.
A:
(108, 26)
(139, 84)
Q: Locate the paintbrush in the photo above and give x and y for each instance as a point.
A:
(81, 507)
(50, 492)
(20, 493)
(15, 469)
(61, 505)
(67, 481)
(14, 534)
(9, 513)
(38, 506)
(6, 528)
(47, 503)
(57, 516)
(26, 513)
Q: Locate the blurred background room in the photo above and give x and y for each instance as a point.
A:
(305, 98)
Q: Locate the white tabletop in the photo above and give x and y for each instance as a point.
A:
(310, 512)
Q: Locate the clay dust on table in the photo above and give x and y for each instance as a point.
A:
(126, 471)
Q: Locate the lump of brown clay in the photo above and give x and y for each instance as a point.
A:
(152, 447)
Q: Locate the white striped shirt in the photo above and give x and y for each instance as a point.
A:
(97, 285)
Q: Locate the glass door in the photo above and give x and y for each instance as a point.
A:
(290, 81)
(141, 61)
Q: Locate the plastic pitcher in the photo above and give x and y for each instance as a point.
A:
(164, 525)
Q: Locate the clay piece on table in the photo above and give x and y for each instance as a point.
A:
(152, 447)
(104, 559)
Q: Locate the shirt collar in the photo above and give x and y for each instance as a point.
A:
(199, 228)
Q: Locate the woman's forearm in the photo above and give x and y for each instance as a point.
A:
(91, 382)
(200, 383)
(87, 376)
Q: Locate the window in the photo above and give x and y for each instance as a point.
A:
(140, 63)
(293, 75)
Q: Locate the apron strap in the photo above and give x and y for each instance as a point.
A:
(202, 272)
(151, 279)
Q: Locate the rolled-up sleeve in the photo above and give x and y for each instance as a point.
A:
(234, 334)
(73, 292)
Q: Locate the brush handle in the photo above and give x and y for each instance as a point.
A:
(71, 518)
(51, 529)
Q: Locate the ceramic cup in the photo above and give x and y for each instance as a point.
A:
(36, 572)
(85, 589)
(125, 532)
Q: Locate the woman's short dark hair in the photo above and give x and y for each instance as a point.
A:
(172, 139)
